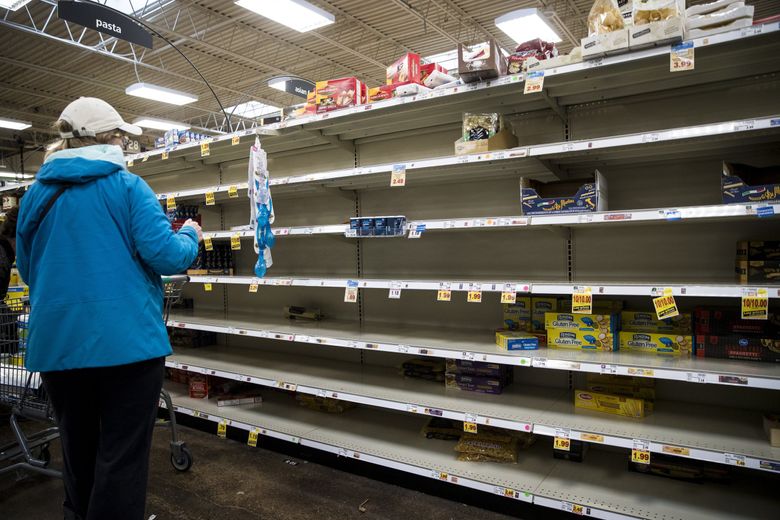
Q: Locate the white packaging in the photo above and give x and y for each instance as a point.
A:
(729, 14)
(709, 8)
(656, 33)
(602, 44)
(437, 79)
(410, 89)
(704, 32)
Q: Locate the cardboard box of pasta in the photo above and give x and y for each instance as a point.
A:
(758, 271)
(517, 316)
(540, 306)
(651, 343)
(743, 183)
(581, 340)
(748, 348)
(598, 45)
(564, 196)
(725, 321)
(641, 321)
(483, 385)
(656, 33)
(626, 390)
(758, 250)
(583, 322)
(516, 340)
(614, 404)
(480, 368)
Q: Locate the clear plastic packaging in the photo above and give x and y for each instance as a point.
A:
(646, 11)
(733, 12)
(480, 126)
(604, 17)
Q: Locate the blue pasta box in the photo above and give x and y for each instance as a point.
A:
(380, 226)
(743, 183)
(366, 227)
(564, 197)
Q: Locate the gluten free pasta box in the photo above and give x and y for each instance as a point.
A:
(651, 343)
(581, 340)
(606, 403)
(641, 321)
(516, 340)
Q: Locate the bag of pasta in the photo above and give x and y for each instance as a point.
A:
(492, 445)
(604, 17)
(646, 11)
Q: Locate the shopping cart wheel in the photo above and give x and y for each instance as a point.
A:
(184, 462)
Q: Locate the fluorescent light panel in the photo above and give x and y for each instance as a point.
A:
(526, 24)
(13, 124)
(295, 14)
(19, 176)
(251, 110)
(13, 5)
(278, 84)
(156, 93)
(160, 124)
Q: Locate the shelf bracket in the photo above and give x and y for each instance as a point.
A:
(556, 170)
(346, 145)
(558, 109)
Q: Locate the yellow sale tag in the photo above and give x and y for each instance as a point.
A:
(755, 305)
(207, 287)
(252, 440)
(235, 140)
(592, 437)
(474, 297)
(145, 158)
(253, 287)
(577, 509)
(582, 301)
(665, 306)
(222, 429)
(165, 156)
(235, 242)
(561, 443)
(444, 295)
(681, 57)
(534, 82)
(233, 192)
(470, 427)
(208, 244)
(170, 203)
(640, 456)
(509, 297)
(130, 163)
(204, 149)
(210, 198)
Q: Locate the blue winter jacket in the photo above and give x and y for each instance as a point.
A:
(94, 262)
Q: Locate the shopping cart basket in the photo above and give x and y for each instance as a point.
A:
(24, 393)
(181, 457)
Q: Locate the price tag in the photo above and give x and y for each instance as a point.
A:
(208, 244)
(696, 377)
(444, 294)
(207, 287)
(254, 286)
(233, 192)
(222, 429)
(236, 139)
(474, 293)
(235, 242)
(539, 362)
(582, 300)
(469, 427)
(398, 176)
(351, 292)
(395, 291)
(645, 372)
(130, 163)
(509, 294)
(165, 156)
(145, 158)
(252, 440)
(681, 57)
(562, 443)
(290, 387)
(210, 198)
(755, 304)
(573, 508)
(204, 149)
(640, 452)
(609, 369)
(534, 82)
(734, 459)
(170, 203)
(416, 231)
(592, 437)
(665, 306)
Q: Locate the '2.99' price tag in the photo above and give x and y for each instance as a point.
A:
(534, 82)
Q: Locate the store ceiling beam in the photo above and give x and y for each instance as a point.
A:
(406, 6)
(462, 15)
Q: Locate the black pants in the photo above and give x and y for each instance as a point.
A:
(106, 418)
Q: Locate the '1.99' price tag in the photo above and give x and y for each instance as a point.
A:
(509, 294)
(444, 294)
(210, 198)
(235, 140)
(640, 452)
(222, 429)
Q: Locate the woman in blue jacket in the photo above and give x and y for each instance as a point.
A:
(92, 242)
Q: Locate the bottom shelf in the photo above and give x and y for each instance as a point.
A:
(600, 487)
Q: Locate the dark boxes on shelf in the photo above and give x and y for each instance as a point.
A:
(743, 183)
(393, 226)
(217, 261)
(181, 214)
(743, 347)
(423, 368)
(564, 197)
(478, 376)
(191, 338)
(480, 62)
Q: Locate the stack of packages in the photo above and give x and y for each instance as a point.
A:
(226, 391)
(483, 133)
(409, 76)
(655, 22)
(218, 260)
(334, 94)
(618, 395)
(758, 262)
(492, 445)
(717, 17)
(180, 214)
(525, 318)
(323, 404)
(178, 376)
(643, 332)
(597, 331)
(442, 429)
(478, 376)
(423, 368)
(607, 30)
(191, 338)
(480, 62)
(529, 55)
(721, 333)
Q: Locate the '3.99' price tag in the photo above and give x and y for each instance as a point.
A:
(681, 57)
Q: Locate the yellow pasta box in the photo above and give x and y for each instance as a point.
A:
(539, 307)
(649, 343)
(516, 340)
(640, 321)
(606, 403)
(517, 316)
(628, 390)
(583, 322)
(613, 379)
(581, 340)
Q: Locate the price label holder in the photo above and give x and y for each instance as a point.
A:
(416, 231)
(398, 176)
(165, 155)
(509, 293)
(170, 203)
(254, 286)
(252, 440)
(534, 82)
(665, 306)
(470, 423)
(207, 287)
(640, 453)
(573, 508)
(204, 149)
(210, 198)
(222, 429)
(475, 293)
(755, 304)
(395, 291)
(235, 242)
(696, 377)
(444, 293)
(562, 439)
(608, 369)
(208, 244)
(734, 459)
(236, 139)
(351, 292)
(233, 192)
(582, 300)
(681, 57)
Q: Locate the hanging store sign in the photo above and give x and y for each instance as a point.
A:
(100, 18)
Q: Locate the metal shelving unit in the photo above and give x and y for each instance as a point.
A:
(659, 138)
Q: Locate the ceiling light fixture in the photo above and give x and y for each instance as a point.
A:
(527, 24)
(155, 93)
(13, 5)
(295, 14)
(13, 124)
(251, 110)
(17, 176)
(160, 124)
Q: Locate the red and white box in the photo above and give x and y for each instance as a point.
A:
(334, 94)
(405, 70)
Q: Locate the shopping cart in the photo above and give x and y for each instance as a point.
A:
(181, 457)
(24, 393)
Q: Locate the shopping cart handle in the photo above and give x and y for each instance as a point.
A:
(175, 278)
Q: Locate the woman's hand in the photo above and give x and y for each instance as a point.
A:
(194, 225)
